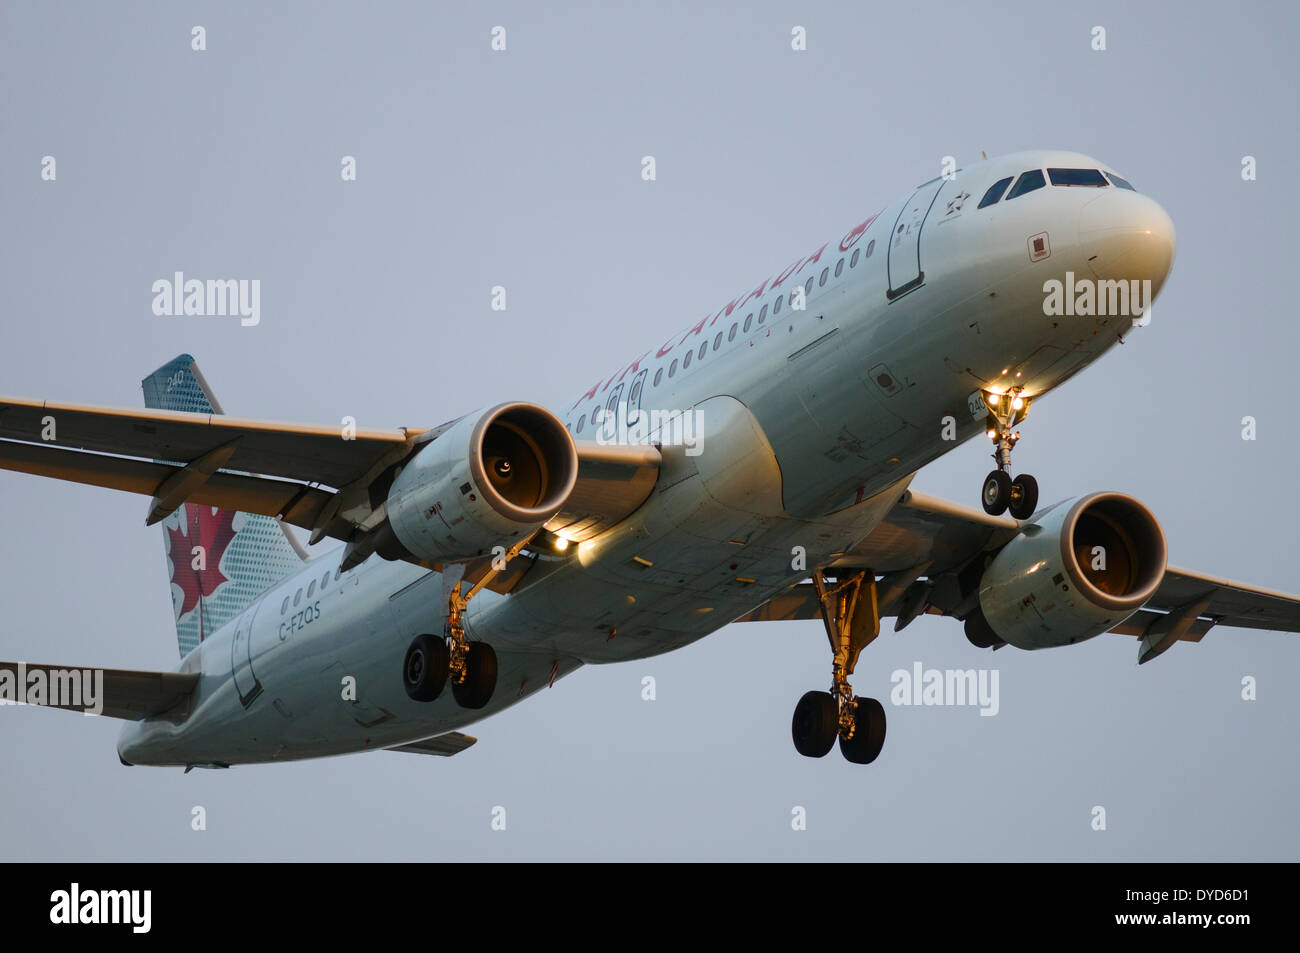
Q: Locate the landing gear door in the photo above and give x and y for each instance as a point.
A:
(905, 272)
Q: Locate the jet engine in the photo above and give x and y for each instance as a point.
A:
(1078, 571)
(489, 480)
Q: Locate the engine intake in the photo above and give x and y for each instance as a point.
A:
(1082, 568)
(491, 478)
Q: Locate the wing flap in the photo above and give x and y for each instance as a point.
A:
(294, 503)
(1229, 603)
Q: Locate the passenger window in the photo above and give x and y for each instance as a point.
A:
(284, 606)
(311, 590)
(324, 581)
(686, 361)
(839, 267)
(994, 193)
(776, 308)
(762, 315)
(853, 262)
(731, 335)
(807, 289)
(672, 368)
(581, 421)
(1029, 182)
(871, 246)
(297, 598)
(821, 282)
(717, 342)
(749, 321)
(337, 573)
(1088, 178)
(659, 376)
(704, 349)
(1120, 183)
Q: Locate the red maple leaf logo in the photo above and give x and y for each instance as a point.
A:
(211, 530)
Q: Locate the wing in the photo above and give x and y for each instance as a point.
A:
(307, 475)
(923, 536)
(116, 693)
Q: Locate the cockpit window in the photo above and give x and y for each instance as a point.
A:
(995, 192)
(1028, 182)
(1120, 183)
(1089, 178)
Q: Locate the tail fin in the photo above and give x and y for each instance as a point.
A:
(219, 560)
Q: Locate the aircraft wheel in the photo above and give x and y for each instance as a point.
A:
(424, 672)
(1024, 497)
(996, 494)
(815, 725)
(480, 677)
(868, 732)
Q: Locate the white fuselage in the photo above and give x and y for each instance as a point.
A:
(811, 425)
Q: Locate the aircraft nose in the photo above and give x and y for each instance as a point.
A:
(1127, 236)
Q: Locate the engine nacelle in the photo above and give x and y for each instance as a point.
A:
(492, 478)
(1084, 567)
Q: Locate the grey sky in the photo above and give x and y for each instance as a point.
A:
(521, 169)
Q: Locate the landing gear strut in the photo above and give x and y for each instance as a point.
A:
(1001, 492)
(851, 614)
(471, 667)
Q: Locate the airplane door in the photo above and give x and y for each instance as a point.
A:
(905, 273)
(241, 658)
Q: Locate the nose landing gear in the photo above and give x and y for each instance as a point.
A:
(1000, 492)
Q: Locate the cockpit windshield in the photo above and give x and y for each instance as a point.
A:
(1088, 178)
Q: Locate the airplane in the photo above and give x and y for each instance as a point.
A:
(754, 466)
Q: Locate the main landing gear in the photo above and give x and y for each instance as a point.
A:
(852, 618)
(471, 667)
(1002, 493)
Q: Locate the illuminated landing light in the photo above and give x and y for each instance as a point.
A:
(561, 544)
(994, 398)
(1017, 403)
(992, 434)
(1005, 369)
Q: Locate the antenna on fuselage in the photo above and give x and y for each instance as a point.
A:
(983, 154)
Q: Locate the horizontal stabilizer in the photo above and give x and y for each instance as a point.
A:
(117, 693)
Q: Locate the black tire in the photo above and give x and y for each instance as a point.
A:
(868, 732)
(816, 723)
(1024, 496)
(424, 671)
(480, 677)
(996, 494)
